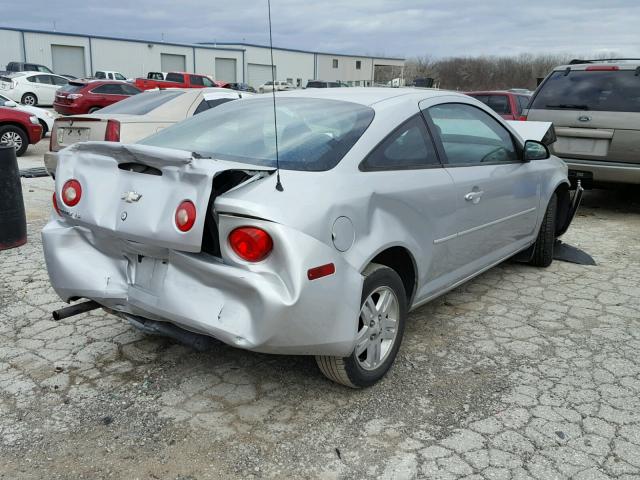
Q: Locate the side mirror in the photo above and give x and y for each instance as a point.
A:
(534, 150)
(10, 103)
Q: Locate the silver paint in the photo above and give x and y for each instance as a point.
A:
(146, 267)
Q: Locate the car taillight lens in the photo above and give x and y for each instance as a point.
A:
(112, 133)
(251, 243)
(71, 193)
(55, 203)
(522, 118)
(73, 96)
(185, 216)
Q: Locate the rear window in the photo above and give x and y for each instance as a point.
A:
(609, 91)
(143, 103)
(175, 77)
(313, 134)
(72, 87)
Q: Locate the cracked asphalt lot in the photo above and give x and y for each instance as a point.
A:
(521, 373)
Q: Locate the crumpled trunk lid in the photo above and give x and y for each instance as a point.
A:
(131, 192)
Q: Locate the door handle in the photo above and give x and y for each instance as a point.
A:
(473, 196)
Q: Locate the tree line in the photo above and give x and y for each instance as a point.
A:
(484, 73)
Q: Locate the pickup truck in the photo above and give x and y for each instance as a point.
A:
(175, 80)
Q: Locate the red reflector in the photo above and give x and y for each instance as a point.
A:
(55, 203)
(602, 68)
(112, 133)
(71, 193)
(321, 271)
(251, 243)
(185, 216)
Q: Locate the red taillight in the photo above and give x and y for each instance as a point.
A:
(321, 271)
(73, 96)
(112, 133)
(185, 216)
(522, 118)
(602, 68)
(251, 243)
(71, 193)
(55, 203)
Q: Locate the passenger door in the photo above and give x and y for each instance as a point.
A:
(415, 198)
(497, 194)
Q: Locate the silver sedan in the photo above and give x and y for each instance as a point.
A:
(384, 200)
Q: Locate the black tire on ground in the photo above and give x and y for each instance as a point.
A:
(45, 129)
(349, 370)
(29, 99)
(543, 248)
(94, 109)
(12, 133)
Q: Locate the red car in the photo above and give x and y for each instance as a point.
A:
(176, 80)
(508, 105)
(18, 129)
(79, 97)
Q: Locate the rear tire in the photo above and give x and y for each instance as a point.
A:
(16, 137)
(543, 248)
(380, 329)
(29, 99)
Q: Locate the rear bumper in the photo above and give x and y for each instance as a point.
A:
(51, 162)
(606, 172)
(250, 308)
(65, 109)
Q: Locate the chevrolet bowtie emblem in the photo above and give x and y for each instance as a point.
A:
(131, 197)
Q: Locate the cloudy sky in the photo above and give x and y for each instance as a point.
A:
(377, 27)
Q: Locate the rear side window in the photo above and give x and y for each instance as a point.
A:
(207, 104)
(408, 146)
(143, 103)
(195, 80)
(207, 83)
(109, 89)
(59, 80)
(100, 75)
(175, 77)
(499, 104)
(608, 91)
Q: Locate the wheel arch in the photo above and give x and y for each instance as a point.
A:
(18, 125)
(402, 261)
(564, 204)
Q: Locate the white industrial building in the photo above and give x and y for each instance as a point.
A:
(81, 55)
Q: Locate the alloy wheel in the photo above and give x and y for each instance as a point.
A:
(377, 328)
(11, 139)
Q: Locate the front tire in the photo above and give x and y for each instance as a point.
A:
(381, 323)
(29, 99)
(45, 128)
(10, 135)
(543, 248)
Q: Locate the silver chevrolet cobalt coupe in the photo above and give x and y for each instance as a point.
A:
(387, 199)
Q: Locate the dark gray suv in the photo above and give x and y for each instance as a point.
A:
(595, 108)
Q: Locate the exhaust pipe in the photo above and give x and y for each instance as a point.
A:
(76, 309)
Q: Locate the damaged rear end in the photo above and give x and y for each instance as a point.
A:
(137, 232)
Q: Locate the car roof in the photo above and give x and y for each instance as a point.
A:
(368, 95)
(630, 64)
(496, 92)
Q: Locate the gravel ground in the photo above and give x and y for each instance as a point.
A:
(521, 373)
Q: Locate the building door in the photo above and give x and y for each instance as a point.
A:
(226, 69)
(258, 74)
(173, 63)
(68, 60)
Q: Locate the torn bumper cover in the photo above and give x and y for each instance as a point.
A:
(271, 307)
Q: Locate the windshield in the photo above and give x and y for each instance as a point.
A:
(610, 91)
(313, 134)
(142, 103)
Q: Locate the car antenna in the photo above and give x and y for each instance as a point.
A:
(273, 91)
